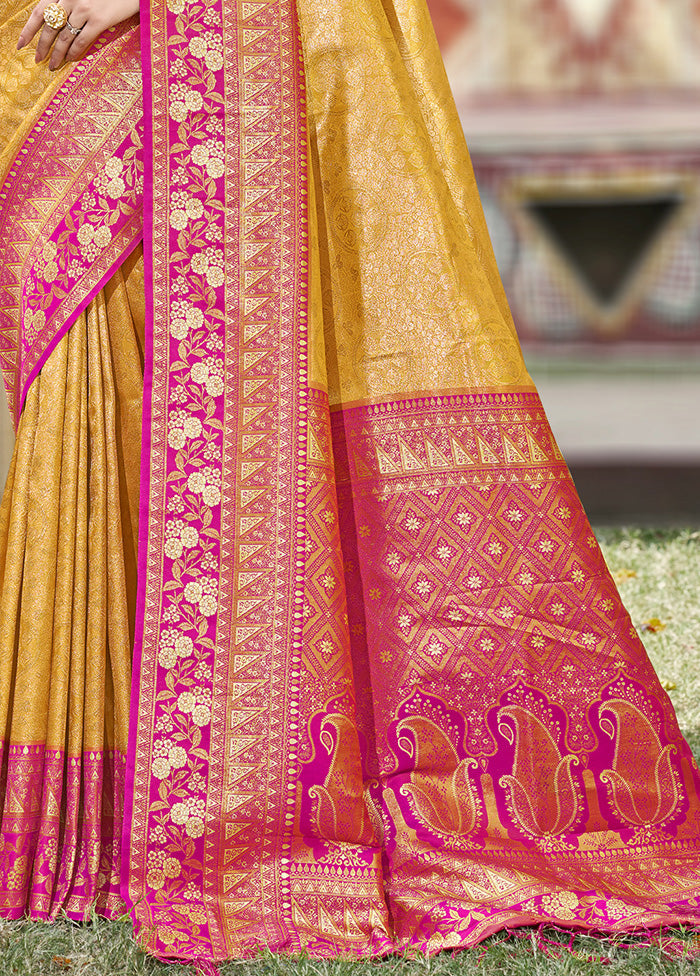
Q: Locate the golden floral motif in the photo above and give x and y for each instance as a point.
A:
(560, 906)
(168, 935)
(173, 645)
(34, 322)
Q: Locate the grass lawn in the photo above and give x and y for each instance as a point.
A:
(658, 573)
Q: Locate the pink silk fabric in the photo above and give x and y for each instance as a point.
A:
(387, 695)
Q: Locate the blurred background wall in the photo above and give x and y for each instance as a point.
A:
(583, 120)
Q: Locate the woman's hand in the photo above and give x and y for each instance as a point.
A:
(90, 17)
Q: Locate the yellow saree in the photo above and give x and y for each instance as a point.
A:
(67, 590)
(385, 694)
(68, 532)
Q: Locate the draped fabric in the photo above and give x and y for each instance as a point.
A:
(67, 583)
(384, 692)
(71, 189)
(387, 693)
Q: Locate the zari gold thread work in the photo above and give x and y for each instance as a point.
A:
(67, 585)
(412, 296)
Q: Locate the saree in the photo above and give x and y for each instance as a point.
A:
(385, 694)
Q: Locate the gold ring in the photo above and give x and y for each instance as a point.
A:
(74, 30)
(55, 16)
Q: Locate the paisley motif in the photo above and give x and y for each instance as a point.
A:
(339, 808)
(643, 783)
(441, 791)
(544, 795)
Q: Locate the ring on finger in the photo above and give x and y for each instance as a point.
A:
(55, 16)
(74, 30)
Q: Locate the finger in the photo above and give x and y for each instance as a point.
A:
(84, 40)
(46, 39)
(35, 22)
(66, 40)
(61, 48)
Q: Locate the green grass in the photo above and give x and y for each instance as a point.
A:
(658, 574)
(100, 948)
(665, 587)
(107, 949)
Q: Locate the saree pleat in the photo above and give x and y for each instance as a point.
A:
(68, 563)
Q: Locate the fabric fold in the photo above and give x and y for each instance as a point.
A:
(72, 178)
(64, 619)
(387, 694)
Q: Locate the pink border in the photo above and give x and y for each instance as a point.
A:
(72, 318)
(93, 74)
(145, 446)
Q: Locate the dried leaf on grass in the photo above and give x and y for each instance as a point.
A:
(653, 626)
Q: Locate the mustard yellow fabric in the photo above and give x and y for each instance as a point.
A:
(401, 234)
(68, 530)
(25, 87)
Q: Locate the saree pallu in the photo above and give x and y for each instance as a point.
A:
(385, 694)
